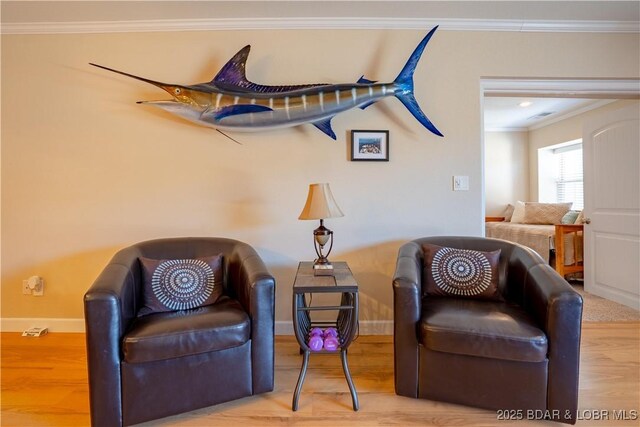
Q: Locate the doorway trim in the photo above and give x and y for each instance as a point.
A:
(563, 88)
(548, 87)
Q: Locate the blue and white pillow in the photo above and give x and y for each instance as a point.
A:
(180, 284)
(460, 273)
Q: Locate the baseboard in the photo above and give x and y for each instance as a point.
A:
(282, 327)
(367, 327)
(19, 324)
(613, 294)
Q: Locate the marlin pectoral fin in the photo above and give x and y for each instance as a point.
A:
(222, 133)
(325, 126)
(212, 116)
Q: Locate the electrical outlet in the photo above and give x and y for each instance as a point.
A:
(26, 290)
(36, 284)
(460, 183)
(38, 291)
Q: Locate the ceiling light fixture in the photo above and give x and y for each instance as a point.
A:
(525, 103)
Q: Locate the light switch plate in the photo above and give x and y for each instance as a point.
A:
(460, 183)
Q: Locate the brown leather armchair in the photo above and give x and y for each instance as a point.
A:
(522, 354)
(144, 368)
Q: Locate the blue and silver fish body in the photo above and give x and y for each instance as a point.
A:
(231, 102)
(316, 105)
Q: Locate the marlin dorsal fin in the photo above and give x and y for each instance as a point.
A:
(233, 76)
(233, 72)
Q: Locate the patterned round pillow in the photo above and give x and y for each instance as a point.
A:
(460, 272)
(180, 284)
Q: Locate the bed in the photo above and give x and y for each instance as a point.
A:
(553, 242)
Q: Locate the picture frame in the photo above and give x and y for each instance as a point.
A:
(370, 145)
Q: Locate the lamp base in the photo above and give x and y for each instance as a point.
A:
(324, 269)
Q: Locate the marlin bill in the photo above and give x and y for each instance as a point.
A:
(230, 102)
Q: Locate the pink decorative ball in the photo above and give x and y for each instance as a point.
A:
(331, 344)
(315, 343)
(315, 332)
(330, 332)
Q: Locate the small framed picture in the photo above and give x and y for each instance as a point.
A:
(370, 145)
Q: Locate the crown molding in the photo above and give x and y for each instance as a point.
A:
(582, 26)
(562, 88)
(312, 23)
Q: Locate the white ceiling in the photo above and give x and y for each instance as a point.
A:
(506, 114)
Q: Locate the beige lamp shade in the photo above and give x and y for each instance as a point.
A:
(320, 203)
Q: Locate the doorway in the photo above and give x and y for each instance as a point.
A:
(521, 181)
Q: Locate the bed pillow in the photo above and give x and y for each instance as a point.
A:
(508, 212)
(570, 217)
(545, 213)
(579, 218)
(180, 284)
(460, 273)
(518, 213)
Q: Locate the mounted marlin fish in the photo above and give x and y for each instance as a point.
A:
(230, 102)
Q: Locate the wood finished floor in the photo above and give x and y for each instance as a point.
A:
(44, 383)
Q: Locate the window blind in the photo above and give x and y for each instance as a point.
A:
(569, 186)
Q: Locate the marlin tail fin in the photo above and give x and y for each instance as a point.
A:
(404, 81)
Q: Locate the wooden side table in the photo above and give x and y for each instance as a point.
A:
(577, 232)
(346, 322)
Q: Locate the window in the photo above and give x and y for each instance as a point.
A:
(560, 174)
(569, 180)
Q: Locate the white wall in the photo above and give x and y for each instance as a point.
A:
(506, 160)
(86, 171)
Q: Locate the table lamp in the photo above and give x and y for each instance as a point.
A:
(321, 205)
